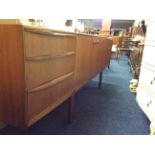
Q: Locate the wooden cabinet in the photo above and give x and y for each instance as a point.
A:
(41, 68)
(92, 56)
(146, 87)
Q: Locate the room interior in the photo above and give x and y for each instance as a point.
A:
(77, 77)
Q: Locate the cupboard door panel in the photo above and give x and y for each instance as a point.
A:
(84, 59)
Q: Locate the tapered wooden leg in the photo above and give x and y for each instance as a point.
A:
(100, 79)
(109, 64)
(71, 109)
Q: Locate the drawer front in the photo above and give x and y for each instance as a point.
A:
(41, 98)
(147, 77)
(38, 44)
(40, 71)
(149, 54)
(146, 102)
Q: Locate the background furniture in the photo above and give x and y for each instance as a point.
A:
(135, 59)
(41, 68)
(125, 46)
(116, 47)
(146, 87)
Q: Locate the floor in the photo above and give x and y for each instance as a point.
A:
(111, 110)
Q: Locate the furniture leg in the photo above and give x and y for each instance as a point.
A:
(109, 64)
(100, 79)
(71, 109)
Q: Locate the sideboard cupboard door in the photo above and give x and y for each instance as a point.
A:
(107, 53)
(96, 55)
(84, 54)
(92, 56)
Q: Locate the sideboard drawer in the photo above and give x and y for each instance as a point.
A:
(149, 78)
(146, 102)
(40, 71)
(54, 44)
(46, 95)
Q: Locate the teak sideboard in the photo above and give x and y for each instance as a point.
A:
(41, 68)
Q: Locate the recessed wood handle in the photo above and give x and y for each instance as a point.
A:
(47, 57)
(50, 83)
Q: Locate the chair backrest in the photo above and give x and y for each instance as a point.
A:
(120, 40)
(115, 40)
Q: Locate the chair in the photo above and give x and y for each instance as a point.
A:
(117, 44)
